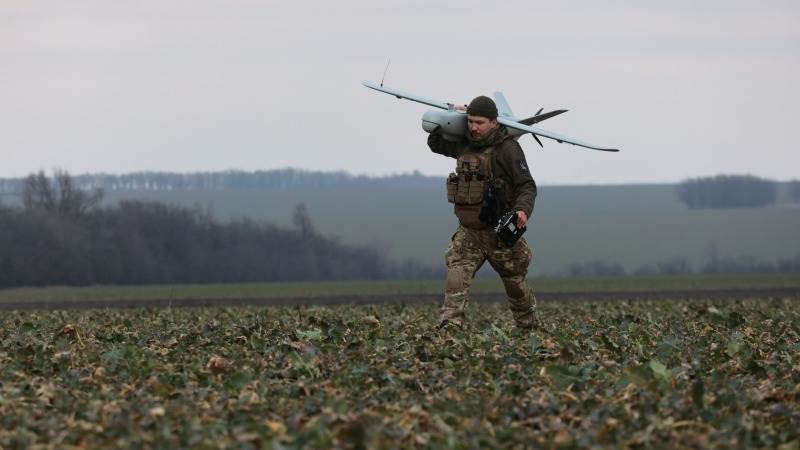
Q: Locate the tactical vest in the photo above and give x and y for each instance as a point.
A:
(467, 186)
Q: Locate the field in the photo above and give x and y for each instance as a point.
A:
(488, 289)
(614, 374)
(634, 225)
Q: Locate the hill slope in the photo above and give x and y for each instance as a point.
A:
(633, 225)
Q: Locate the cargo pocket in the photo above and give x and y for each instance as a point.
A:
(521, 256)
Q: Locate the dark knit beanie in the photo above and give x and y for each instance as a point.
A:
(482, 106)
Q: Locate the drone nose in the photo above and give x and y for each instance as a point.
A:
(429, 126)
(430, 121)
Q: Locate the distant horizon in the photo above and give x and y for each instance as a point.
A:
(415, 172)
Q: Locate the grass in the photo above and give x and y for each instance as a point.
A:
(376, 288)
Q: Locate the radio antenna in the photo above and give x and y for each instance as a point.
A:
(385, 70)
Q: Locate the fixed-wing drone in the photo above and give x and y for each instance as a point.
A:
(451, 119)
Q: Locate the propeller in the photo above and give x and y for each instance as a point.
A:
(538, 117)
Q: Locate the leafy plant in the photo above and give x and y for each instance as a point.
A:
(607, 374)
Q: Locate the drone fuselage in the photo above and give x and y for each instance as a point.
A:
(452, 124)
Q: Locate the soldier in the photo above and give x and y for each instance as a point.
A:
(491, 174)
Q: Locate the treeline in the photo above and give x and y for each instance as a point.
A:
(721, 191)
(794, 190)
(732, 191)
(59, 236)
(232, 179)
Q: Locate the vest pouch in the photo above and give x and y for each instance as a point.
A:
(473, 170)
(469, 216)
(452, 187)
(470, 192)
(501, 194)
(476, 191)
(462, 192)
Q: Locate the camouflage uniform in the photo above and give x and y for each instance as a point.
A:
(474, 242)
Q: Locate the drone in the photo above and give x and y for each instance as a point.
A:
(450, 119)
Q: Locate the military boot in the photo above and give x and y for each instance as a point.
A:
(524, 311)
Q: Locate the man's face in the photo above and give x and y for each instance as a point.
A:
(479, 126)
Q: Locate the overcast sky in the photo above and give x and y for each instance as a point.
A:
(684, 88)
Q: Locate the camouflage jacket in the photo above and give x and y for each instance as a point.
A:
(508, 163)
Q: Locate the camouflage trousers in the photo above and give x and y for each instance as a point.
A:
(468, 250)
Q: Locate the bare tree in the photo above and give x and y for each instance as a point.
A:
(303, 221)
(59, 195)
(38, 193)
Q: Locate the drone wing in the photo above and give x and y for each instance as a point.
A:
(503, 120)
(407, 96)
(550, 135)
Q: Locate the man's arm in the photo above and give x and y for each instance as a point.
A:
(442, 146)
(523, 187)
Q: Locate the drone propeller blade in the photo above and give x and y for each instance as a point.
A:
(540, 117)
(537, 140)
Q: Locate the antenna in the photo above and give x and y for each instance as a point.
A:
(385, 70)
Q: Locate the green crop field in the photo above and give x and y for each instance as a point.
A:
(360, 289)
(634, 225)
(675, 374)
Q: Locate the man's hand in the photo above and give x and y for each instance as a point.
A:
(522, 219)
